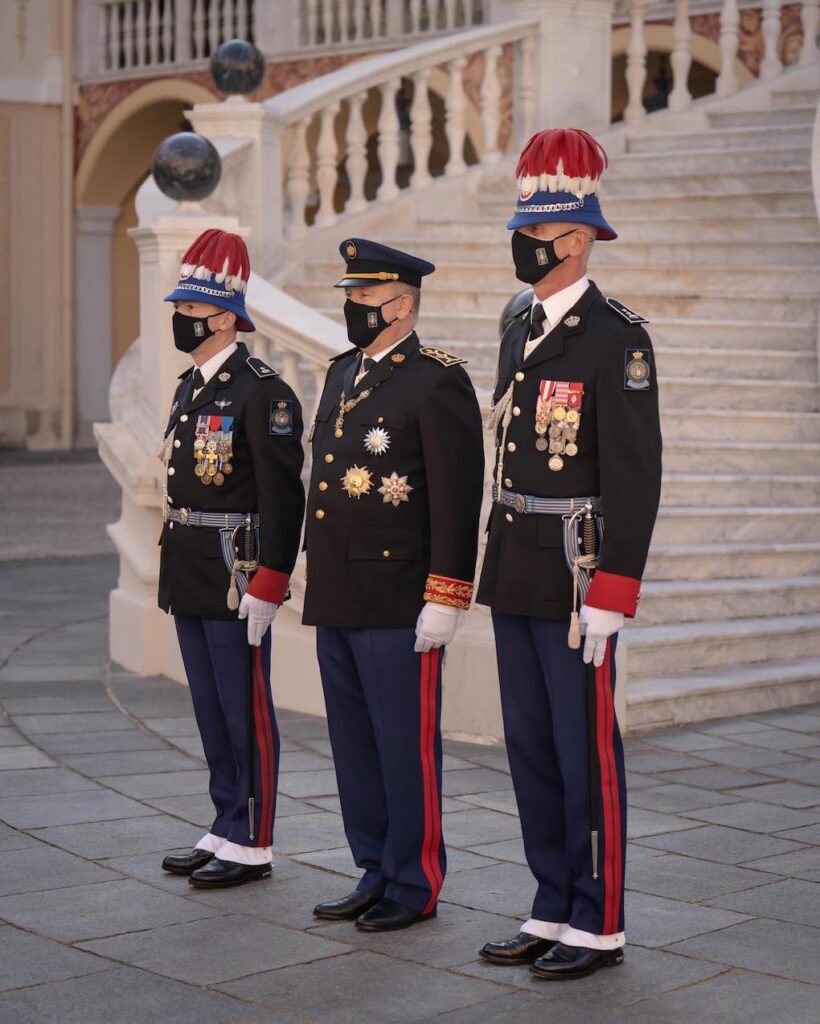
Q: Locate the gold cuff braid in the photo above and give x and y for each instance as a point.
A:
(444, 590)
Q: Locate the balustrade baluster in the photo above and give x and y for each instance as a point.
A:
(636, 63)
(389, 140)
(356, 154)
(298, 182)
(153, 32)
(199, 30)
(454, 117)
(727, 82)
(421, 134)
(681, 60)
(525, 115)
(213, 26)
(326, 169)
(490, 101)
(770, 66)
(128, 34)
(311, 22)
(808, 18)
(242, 20)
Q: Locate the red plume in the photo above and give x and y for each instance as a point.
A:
(219, 254)
(577, 153)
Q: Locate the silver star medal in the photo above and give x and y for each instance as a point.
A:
(377, 441)
(395, 489)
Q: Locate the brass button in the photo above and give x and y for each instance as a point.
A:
(171, 471)
(338, 433)
(380, 419)
(328, 457)
(183, 418)
(509, 517)
(519, 376)
(507, 482)
(169, 499)
(511, 446)
(385, 554)
(320, 513)
(516, 411)
(177, 443)
(323, 485)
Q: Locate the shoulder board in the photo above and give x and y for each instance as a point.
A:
(628, 314)
(441, 357)
(260, 368)
(343, 355)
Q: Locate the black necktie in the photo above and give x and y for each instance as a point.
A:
(198, 379)
(537, 319)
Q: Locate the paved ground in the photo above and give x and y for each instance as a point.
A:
(101, 774)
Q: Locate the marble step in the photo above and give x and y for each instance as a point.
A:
(658, 701)
(771, 137)
(767, 425)
(628, 252)
(736, 393)
(683, 187)
(707, 644)
(694, 524)
(795, 97)
(793, 115)
(751, 228)
(715, 201)
(740, 457)
(733, 560)
(714, 600)
(720, 489)
(717, 161)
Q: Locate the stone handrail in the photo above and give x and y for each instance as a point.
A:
(332, 108)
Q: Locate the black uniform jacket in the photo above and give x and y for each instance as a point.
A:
(267, 462)
(373, 558)
(618, 459)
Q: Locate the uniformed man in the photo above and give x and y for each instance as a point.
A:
(391, 537)
(233, 512)
(576, 490)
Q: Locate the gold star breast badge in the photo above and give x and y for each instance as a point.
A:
(357, 481)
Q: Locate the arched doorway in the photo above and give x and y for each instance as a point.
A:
(113, 167)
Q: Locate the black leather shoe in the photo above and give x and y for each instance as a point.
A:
(563, 963)
(523, 949)
(185, 863)
(348, 908)
(389, 915)
(220, 874)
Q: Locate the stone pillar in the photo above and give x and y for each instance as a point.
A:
(573, 60)
(92, 369)
(141, 636)
(251, 182)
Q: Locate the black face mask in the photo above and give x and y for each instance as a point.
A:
(365, 323)
(190, 331)
(534, 258)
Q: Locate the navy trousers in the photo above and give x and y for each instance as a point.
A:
(217, 658)
(384, 716)
(546, 725)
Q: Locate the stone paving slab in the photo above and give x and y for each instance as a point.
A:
(723, 865)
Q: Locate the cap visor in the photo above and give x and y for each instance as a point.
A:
(522, 219)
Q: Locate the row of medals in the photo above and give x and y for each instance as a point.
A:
(557, 429)
(213, 458)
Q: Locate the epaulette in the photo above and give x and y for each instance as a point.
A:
(441, 357)
(628, 314)
(260, 368)
(342, 355)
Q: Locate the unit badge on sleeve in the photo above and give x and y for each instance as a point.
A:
(636, 369)
(281, 417)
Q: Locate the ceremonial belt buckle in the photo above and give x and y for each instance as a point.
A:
(520, 503)
(183, 516)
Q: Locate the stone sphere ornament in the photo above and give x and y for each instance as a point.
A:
(186, 166)
(237, 67)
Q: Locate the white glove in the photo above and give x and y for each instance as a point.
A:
(436, 626)
(598, 624)
(260, 614)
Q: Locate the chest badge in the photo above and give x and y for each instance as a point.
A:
(636, 369)
(222, 404)
(377, 441)
(224, 377)
(395, 489)
(357, 481)
(572, 321)
(213, 449)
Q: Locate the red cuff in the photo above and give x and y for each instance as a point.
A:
(614, 593)
(445, 590)
(269, 585)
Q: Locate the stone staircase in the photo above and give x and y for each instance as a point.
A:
(720, 247)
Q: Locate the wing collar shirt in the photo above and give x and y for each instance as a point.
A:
(555, 307)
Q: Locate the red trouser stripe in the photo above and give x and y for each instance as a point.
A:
(432, 814)
(264, 742)
(610, 795)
